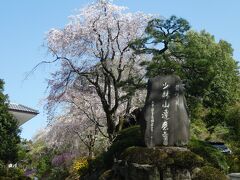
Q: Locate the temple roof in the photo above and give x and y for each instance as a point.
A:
(22, 108)
(22, 113)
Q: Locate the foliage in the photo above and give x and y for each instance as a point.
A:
(233, 120)
(128, 137)
(47, 163)
(11, 173)
(208, 68)
(24, 157)
(211, 75)
(9, 131)
(43, 166)
(199, 130)
(210, 154)
(38, 159)
(234, 163)
(161, 32)
(133, 132)
(219, 133)
(58, 173)
(15, 172)
(44, 162)
(210, 173)
(234, 145)
(162, 37)
(210, 71)
(2, 168)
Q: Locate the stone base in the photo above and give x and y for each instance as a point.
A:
(161, 163)
(136, 171)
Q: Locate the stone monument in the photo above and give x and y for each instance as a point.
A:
(165, 125)
(166, 121)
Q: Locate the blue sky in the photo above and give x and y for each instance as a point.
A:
(24, 25)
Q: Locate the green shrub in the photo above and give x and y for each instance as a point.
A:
(11, 173)
(133, 132)
(187, 160)
(43, 166)
(210, 154)
(3, 169)
(234, 163)
(220, 133)
(210, 173)
(233, 120)
(199, 130)
(58, 173)
(126, 138)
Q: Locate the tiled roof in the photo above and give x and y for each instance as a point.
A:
(22, 108)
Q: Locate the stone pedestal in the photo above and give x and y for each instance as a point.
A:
(135, 171)
(166, 163)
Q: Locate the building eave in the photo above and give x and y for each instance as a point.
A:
(22, 113)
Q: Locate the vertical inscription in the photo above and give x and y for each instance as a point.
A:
(166, 121)
(152, 124)
(165, 113)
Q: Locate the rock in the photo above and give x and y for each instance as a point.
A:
(195, 171)
(135, 171)
(182, 174)
(166, 120)
(142, 172)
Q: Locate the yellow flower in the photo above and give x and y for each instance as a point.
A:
(80, 165)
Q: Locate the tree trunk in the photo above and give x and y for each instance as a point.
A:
(90, 153)
(111, 129)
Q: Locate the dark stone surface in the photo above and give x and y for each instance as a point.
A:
(165, 114)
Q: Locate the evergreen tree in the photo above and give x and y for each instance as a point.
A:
(208, 68)
(9, 131)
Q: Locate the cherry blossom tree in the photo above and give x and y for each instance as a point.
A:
(82, 127)
(76, 136)
(93, 54)
(79, 127)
